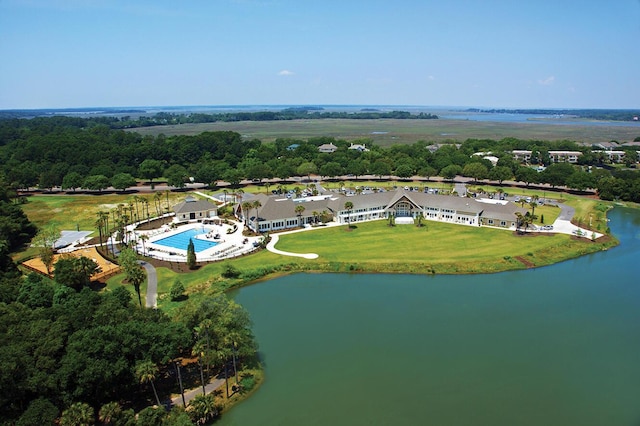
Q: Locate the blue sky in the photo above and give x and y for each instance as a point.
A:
(514, 54)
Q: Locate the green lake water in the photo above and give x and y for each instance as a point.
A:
(558, 345)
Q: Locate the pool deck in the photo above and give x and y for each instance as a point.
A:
(230, 244)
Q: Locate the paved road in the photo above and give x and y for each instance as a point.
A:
(566, 212)
(192, 393)
(461, 189)
(152, 284)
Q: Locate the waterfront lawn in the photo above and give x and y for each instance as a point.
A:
(438, 247)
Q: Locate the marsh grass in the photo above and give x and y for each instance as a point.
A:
(401, 131)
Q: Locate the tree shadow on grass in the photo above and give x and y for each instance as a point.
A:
(97, 285)
(181, 298)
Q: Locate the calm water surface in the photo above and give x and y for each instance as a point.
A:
(552, 346)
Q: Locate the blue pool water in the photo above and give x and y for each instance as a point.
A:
(181, 240)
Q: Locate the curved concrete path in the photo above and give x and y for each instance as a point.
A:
(152, 284)
(272, 248)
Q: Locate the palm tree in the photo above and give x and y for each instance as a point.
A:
(166, 193)
(315, 216)
(99, 223)
(109, 412)
(156, 201)
(103, 219)
(130, 209)
(136, 200)
(137, 277)
(534, 203)
(245, 211)
(267, 185)
(256, 205)
(144, 238)
(237, 192)
(348, 206)
(222, 354)
(203, 344)
(147, 371)
(519, 220)
(528, 220)
(202, 409)
(78, 414)
(145, 206)
(299, 210)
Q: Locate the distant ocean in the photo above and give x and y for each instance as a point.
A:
(443, 112)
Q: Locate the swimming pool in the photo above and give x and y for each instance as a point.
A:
(181, 240)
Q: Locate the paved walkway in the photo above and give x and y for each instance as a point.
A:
(192, 393)
(271, 246)
(152, 284)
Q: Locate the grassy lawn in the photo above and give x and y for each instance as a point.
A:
(67, 212)
(438, 247)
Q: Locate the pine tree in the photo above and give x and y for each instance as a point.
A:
(191, 255)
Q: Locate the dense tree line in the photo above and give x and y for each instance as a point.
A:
(80, 153)
(164, 118)
(68, 352)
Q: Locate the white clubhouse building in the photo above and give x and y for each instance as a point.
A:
(278, 213)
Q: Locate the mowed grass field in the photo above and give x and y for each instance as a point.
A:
(442, 247)
(68, 212)
(386, 132)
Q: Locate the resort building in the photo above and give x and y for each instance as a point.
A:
(277, 213)
(327, 148)
(564, 156)
(522, 156)
(612, 156)
(358, 147)
(192, 209)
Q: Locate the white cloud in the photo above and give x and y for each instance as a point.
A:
(286, 73)
(431, 78)
(547, 81)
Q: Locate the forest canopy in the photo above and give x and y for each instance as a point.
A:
(76, 153)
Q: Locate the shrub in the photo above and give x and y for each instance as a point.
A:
(230, 271)
(247, 383)
(177, 291)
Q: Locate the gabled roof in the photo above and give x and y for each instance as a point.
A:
(275, 207)
(190, 205)
(327, 147)
(502, 212)
(402, 194)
